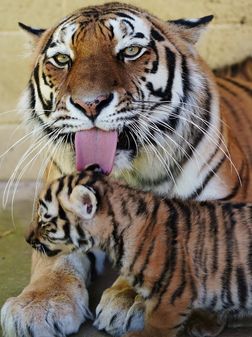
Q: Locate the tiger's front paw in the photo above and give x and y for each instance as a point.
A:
(46, 312)
(119, 311)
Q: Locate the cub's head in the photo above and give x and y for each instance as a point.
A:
(113, 68)
(69, 211)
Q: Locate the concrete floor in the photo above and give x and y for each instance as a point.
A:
(15, 259)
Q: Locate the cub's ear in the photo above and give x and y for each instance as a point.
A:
(83, 202)
(35, 32)
(191, 29)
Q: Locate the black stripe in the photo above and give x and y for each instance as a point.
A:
(155, 63)
(196, 133)
(139, 35)
(32, 95)
(147, 233)
(213, 301)
(123, 15)
(80, 231)
(60, 186)
(69, 184)
(62, 213)
(208, 177)
(139, 279)
(30, 331)
(249, 254)
(141, 207)
(202, 252)
(220, 132)
(48, 195)
(181, 287)
(186, 86)
(50, 252)
(226, 294)
(231, 92)
(43, 204)
(156, 35)
(242, 287)
(186, 211)
(47, 104)
(214, 234)
(57, 328)
(194, 23)
(163, 282)
(129, 23)
(92, 260)
(171, 64)
(236, 187)
(58, 167)
(117, 239)
(242, 86)
(47, 44)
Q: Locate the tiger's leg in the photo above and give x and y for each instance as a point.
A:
(120, 309)
(55, 302)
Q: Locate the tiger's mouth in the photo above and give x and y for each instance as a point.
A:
(96, 146)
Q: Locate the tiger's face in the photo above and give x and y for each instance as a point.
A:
(70, 211)
(117, 68)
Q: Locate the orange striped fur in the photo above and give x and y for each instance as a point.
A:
(178, 256)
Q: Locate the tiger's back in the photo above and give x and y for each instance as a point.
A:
(236, 111)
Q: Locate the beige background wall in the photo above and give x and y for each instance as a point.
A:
(228, 40)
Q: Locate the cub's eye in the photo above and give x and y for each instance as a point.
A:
(131, 51)
(62, 59)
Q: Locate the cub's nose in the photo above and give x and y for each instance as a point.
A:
(92, 108)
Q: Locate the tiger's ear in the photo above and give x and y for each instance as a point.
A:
(34, 32)
(83, 202)
(191, 29)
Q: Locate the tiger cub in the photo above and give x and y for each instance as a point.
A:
(178, 255)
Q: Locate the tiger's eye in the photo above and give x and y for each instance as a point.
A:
(131, 51)
(62, 59)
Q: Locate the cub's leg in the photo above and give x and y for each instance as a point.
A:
(55, 303)
(120, 309)
(203, 323)
(164, 320)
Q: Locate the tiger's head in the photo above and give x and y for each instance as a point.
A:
(116, 68)
(70, 211)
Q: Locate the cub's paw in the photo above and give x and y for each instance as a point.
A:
(46, 312)
(203, 323)
(119, 311)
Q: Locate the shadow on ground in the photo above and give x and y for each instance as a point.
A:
(15, 260)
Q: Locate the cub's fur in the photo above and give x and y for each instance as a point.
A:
(178, 255)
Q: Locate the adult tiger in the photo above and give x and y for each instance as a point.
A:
(117, 68)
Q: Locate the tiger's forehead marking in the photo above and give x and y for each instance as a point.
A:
(62, 40)
(126, 31)
(130, 31)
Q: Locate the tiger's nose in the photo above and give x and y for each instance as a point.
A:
(93, 108)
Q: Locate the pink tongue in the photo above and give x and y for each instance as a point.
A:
(95, 147)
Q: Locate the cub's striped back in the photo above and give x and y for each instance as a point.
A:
(178, 255)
